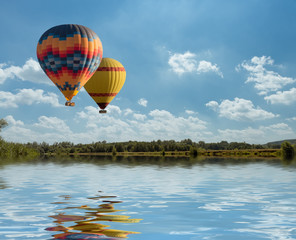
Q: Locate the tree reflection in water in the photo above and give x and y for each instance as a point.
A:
(86, 226)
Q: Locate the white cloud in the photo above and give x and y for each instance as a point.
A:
(143, 102)
(265, 80)
(11, 121)
(182, 63)
(189, 112)
(140, 117)
(115, 126)
(27, 97)
(46, 129)
(28, 133)
(237, 135)
(285, 97)
(262, 134)
(18, 133)
(240, 110)
(128, 111)
(158, 124)
(205, 66)
(213, 104)
(53, 123)
(161, 114)
(291, 119)
(112, 109)
(30, 71)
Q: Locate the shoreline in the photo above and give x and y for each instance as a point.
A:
(272, 153)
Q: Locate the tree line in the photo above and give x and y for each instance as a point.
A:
(138, 146)
(16, 149)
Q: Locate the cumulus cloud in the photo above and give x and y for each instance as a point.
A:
(240, 110)
(140, 117)
(282, 97)
(189, 112)
(158, 124)
(30, 71)
(262, 134)
(265, 80)
(53, 123)
(23, 134)
(213, 105)
(28, 133)
(27, 97)
(45, 129)
(291, 119)
(143, 102)
(187, 63)
(205, 66)
(181, 63)
(116, 127)
(12, 122)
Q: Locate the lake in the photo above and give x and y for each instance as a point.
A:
(147, 198)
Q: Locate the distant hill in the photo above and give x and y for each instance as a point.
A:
(278, 143)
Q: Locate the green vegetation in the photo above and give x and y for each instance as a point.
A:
(193, 151)
(3, 124)
(169, 147)
(8, 149)
(278, 144)
(288, 150)
(185, 147)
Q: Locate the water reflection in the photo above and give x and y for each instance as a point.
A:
(87, 224)
(179, 199)
(3, 185)
(185, 162)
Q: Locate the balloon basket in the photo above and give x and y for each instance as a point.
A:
(103, 111)
(70, 104)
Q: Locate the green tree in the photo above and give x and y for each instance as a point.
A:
(3, 123)
(223, 145)
(119, 147)
(193, 151)
(114, 152)
(3, 144)
(202, 144)
(287, 150)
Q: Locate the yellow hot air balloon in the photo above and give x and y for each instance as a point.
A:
(106, 83)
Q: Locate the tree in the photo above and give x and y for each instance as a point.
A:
(287, 150)
(187, 141)
(3, 123)
(193, 151)
(114, 152)
(223, 145)
(202, 144)
(119, 147)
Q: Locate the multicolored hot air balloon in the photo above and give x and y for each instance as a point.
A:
(106, 83)
(69, 54)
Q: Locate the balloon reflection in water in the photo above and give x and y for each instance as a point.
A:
(86, 226)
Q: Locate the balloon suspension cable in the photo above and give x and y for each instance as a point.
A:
(70, 104)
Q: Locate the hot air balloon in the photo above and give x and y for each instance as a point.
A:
(106, 83)
(69, 54)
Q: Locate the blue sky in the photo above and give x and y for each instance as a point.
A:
(206, 70)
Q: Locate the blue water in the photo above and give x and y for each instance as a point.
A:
(176, 199)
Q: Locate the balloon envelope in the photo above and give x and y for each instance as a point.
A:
(107, 81)
(69, 54)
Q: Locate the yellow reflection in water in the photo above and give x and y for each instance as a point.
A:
(86, 226)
